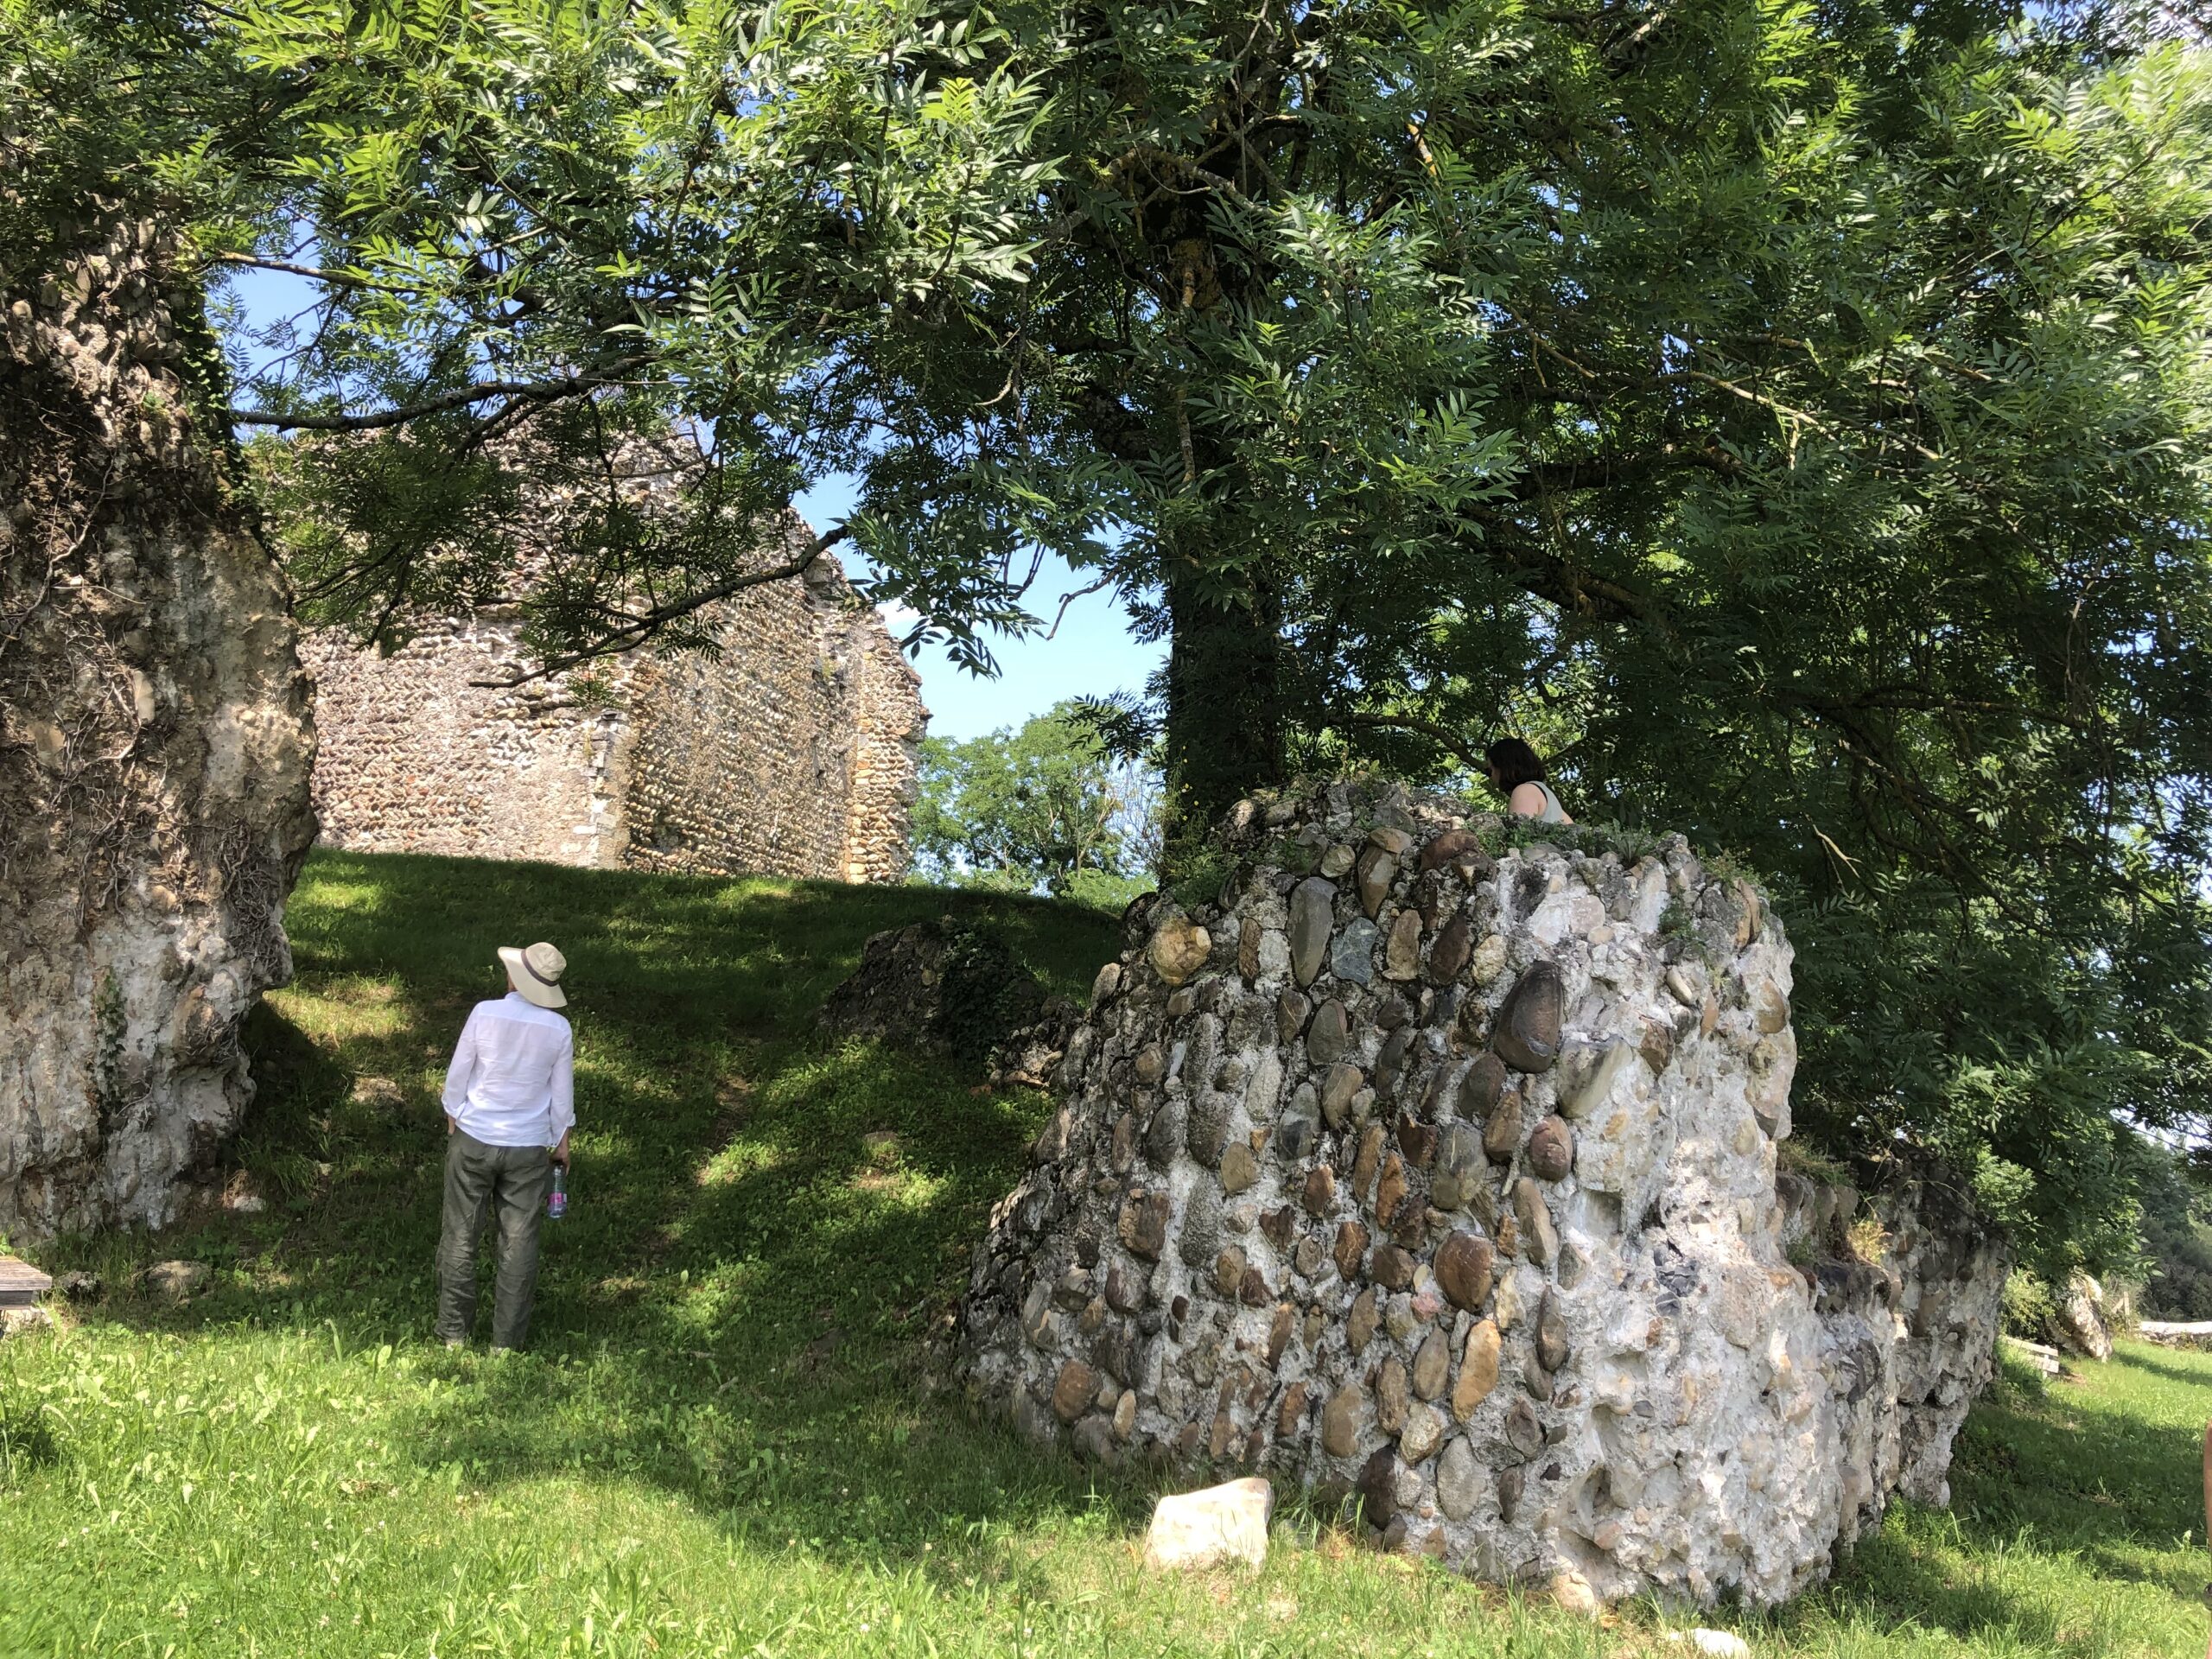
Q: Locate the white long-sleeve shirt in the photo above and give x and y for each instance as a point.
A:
(511, 1081)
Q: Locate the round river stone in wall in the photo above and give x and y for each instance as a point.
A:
(1527, 1031)
(1464, 1264)
(1551, 1153)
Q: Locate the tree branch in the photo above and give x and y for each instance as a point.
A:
(1443, 737)
(543, 391)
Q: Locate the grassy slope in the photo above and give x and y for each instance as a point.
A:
(722, 1444)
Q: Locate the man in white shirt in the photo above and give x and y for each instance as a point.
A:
(510, 1104)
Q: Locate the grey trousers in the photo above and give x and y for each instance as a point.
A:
(511, 1184)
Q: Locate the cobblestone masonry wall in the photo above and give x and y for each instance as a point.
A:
(793, 752)
(1441, 1174)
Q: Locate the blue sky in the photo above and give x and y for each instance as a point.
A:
(1091, 655)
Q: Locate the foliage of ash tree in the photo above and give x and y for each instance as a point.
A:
(1041, 808)
(1791, 417)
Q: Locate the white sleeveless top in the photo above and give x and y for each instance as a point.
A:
(1553, 812)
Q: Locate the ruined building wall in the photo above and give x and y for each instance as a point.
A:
(1440, 1172)
(794, 751)
(154, 747)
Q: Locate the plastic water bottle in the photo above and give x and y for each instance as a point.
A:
(556, 1201)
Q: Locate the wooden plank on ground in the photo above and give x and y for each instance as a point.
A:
(2044, 1359)
(21, 1284)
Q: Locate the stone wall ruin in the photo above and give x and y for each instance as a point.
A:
(794, 750)
(154, 744)
(1439, 1174)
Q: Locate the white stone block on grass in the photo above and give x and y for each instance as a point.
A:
(1226, 1522)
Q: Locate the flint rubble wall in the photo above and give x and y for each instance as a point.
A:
(794, 751)
(155, 746)
(1440, 1174)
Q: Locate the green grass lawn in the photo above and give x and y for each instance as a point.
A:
(724, 1441)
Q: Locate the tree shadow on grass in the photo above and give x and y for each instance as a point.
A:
(734, 1310)
(2041, 1475)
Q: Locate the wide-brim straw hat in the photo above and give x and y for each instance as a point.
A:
(535, 972)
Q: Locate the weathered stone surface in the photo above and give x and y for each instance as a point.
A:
(1339, 1087)
(1298, 1130)
(177, 1281)
(1318, 1193)
(1073, 1391)
(1342, 1420)
(1501, 1134)
(1539, 1237)
(1551, 1333)
(1551, 1149)
(1461, 1169)
(1312, 920)
(1361, 1323)
(1377, 869)
(1459, 1480)
(1204, 1529)
(1239, 1169)
(1450, 848)
(1481, 1088)
(1527, 1033)
(1478, 1369)
(1455, 947)
(1432, 1367)
(1179, 949)
(1142, 1227)
(1590, 1081)
(155, 738)
(1351, 1248)
(1391, 1397)
(1401, 951)
(1422, 1433)
(1351, 957)
(1464, 1266)
(1325, 1037)
(1649, 1388)
(1390, 1267)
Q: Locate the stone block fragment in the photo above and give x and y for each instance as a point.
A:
(1179, 949)
(1312, 918)
(1204, 1529)
(1376, 867)
(1401, 950)
(1351, 957)
(1142, 1224)
(1539, 1237)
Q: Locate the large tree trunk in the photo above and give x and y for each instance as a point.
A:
(154, 747)
(1224, 735)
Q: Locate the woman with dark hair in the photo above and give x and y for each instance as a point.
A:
(1518, 771)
